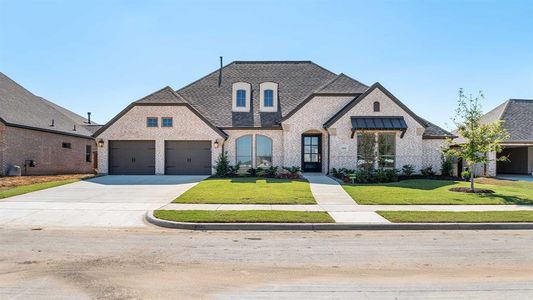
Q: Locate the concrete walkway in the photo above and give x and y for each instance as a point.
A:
(329, 194)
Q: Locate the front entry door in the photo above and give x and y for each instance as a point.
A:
(312, 153)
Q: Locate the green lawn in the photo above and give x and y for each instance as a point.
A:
(19, 190)
(425, 191)
(457, 217)
(249, 190)
(243, 216)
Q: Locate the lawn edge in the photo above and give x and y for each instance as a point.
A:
(150, 218)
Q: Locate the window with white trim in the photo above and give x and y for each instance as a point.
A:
(241, 96)
(268, 94)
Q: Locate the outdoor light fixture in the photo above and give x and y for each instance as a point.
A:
(216, 144)
(101, 143)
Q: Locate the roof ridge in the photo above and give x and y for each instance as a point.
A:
(158, 91)
(272, 61)
(337, 78)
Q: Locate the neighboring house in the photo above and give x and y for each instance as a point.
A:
(263, 113)
(40, 136)
(517, 118)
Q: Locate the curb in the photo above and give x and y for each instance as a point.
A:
(334, 226)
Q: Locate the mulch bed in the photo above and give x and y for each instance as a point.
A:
(468, 190)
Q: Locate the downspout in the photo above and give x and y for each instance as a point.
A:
(327, 132)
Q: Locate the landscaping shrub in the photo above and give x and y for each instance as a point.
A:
(408, 170)
(289, 173)
(465, 175)
(252, 172)
(271, 172)
(446, 165)
(427, 171)
(223, 167)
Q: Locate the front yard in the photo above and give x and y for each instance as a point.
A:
(426, 191)
(243, 216)
(249, 190)
(457, 217)
(13, 186)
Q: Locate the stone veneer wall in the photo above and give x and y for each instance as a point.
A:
(411, 149)
(275, 135)
(19, 144)
(310, 118)
(132, 126)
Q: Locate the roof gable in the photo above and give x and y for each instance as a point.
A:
(431, 130)
(517, 117)
(163, 97)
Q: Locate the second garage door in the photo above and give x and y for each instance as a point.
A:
(188, 157)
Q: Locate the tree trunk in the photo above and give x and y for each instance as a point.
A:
(472, 179)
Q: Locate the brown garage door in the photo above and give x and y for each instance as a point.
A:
(132, 157)
(188, 157)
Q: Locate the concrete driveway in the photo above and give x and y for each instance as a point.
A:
(108, 201)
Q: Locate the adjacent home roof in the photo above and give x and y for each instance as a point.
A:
(431, 131)
(20, 108)
(517, 117)
(297, 81)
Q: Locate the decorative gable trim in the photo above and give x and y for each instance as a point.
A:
(355, 101)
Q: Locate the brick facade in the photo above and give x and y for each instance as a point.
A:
(132, 126)
(18, 145)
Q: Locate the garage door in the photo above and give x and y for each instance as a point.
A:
(188, 157)
(131, 157)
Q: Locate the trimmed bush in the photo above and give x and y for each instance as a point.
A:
(408, 170)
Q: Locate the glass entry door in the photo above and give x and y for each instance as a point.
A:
(312, 153)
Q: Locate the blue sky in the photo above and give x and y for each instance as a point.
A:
(99, 56)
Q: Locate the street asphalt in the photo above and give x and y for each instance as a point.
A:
(155, 263)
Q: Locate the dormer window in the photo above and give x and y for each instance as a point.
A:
(269, 97)
(241, 97)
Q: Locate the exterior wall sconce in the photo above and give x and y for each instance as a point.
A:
(101, 143)
(216, 144)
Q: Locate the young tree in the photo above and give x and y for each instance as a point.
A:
(479, 138)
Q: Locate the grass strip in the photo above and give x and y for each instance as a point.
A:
(243, 216)
(458, 217)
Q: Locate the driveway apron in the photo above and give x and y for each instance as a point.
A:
(107, 201)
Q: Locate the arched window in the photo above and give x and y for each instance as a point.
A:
(243, 149)
(376, 106)
(263, 151)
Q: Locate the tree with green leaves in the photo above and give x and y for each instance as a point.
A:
(479, 138)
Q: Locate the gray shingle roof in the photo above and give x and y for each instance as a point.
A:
(344, 84)
(165, 95)
(517, 117)
(296, 81)
(19, 107)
